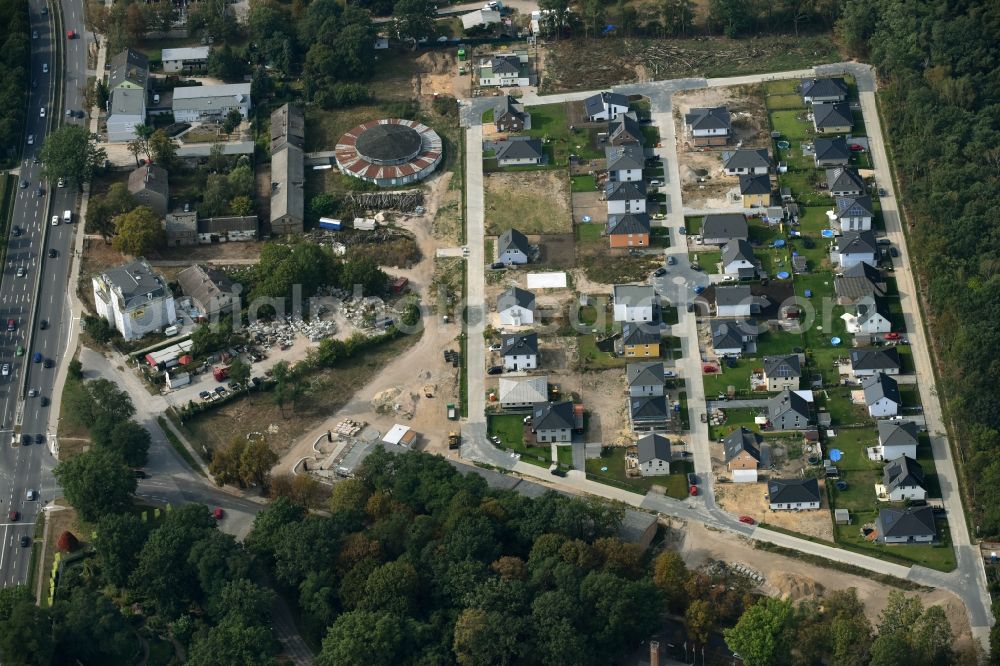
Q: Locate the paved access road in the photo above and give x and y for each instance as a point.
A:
(28, 467)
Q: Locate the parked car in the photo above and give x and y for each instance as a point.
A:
(659, 272)
(496, 347)
(205, 395)
(495, 370)
(893, 336)
(893, 252)
(139, 474)
(671, 260)
(747, 520)
(218, 513)
(857, 148)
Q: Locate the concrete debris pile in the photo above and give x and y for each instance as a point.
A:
(282, 332)
(395, 401)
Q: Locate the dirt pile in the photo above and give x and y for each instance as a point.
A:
(395, 401)
(434, 62)
(795, 587)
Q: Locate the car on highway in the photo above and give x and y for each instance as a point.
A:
(45, 70)
(5, 369)
(31, 139)
(34, 84)
(19, 351)
(11, 325)
(139, 474)
(24, 184)
(52, 253)
(41, 112)
(40, 192)
(44, 401)
(61, 183)
(34, 34)
(55, 220)
(13, 516)
(26, 440)
(660, 272)
(71, 34)
(17, 231)
(747, 520)
(29, 494)
(39, 438)
(32, 392)
(48, 363)
(44, 324)
(20, 271)
(25, 541)
(36, 357)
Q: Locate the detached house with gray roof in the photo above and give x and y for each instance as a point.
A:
(149, 186)
(852, 213)
(720, 228)
(648, 413)
(519, 351)
(857, 282)
(625, 163)
(605, 106)
(895, 439)
(516, 307)
(882, 395)
(735, 301)
(913, 524)
(734, 337)
(832, 117)
(645, 379)
(513, 247)
(867, 361)
(844, 182)
(746, 161)
(519, 150)
(635, 303)
(625, 130)
(509, 115)
(855, 247)
(553, 422)
(783, 373)
(789, 410)
(869, 316)
(902, 479)
(741, 449)
(739, 260)
(521, 392)
(624, 198)
(831, 151)
(793, 494)
(709, 126)
(628, 230)
(755, 190)
(833, 89)
(128, 83)
(653, 455)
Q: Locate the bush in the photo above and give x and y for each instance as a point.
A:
(340, 95)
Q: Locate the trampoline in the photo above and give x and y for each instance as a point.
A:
(834, 341)
(841, 485)
(835, 455)
(783, 275)
(783, 145)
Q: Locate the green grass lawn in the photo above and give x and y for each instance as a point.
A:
(488, 116)
(782, 87)
(510, 429)
(859, 124)
(709, 261)
(739, 377)
(842, 410)
(784, 102)
(594, 359)
(735, 418)
(693, 225)
(940, 557)
(590, 233)
(613, 461)
(582, 184)
(650, 136)
(549, 122)
(774, 343)
(659, 237)
(791, 127)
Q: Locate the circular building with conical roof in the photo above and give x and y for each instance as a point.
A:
(389, 152)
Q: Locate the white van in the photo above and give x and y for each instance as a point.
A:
(156, 98)
(67, 216)
(171, 330)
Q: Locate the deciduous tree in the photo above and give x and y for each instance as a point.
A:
(138, 232)
(96, 483)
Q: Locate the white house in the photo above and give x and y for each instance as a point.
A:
(902, 480)
(629, 197)
(504, 70)
(523, 391)
(793, 494)
(855, 247)
(870, 315)
(709, 127)
(733, 337)
(202, 103)
(844, 182)
(914, 524)
(519, 150)
(513, 247)
(734, 301)
(134, 299)
(519, 351)
(654, 455)
(625, 162)
(126, 109)
(181, 59)
(853, 213)
(867, 361)
(782, 372)
(635, 303)
(882, 395)
(516, 307)
(605, 106)
(742, 453)
(746, 161)
(722, 228)
(645, 379)
(832, 89)
(738, 259)
(553, 422)
(895, 439)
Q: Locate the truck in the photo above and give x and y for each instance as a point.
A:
(454, 440)
(220, 372)
(452, 414)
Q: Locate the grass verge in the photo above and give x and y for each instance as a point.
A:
(179, 447)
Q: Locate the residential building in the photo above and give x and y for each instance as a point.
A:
(184, 59)
(126, 109)
(181, 228)
(831, 151)
(832, 117)
(149, 186)
(913, 524)
(653, 455)
(852, 213)
(844, 182)
(854, 247)
(553, 422)
(902, 479)
(480, 18)
(516, 307)
(857, 282)
(738, 259)
(648, 413)
(287, 190)
(513, 247)
(640, 340)
(756, 191)
(734, 337)
(789, 410)
(882, 395)
(605, 106)
(734, 301)
(824, 90)
(519, 150)
(628, 230)
(519, 351)
(505, 70)
(867, 361)
(709, 127)
(783, 373)
(288, 126)
(634, 303)
(645, 379)
(742, 453)
(209, 289)
(869, 316)
(509, 115)
(227, 229)
(720, 228)
(129, 70)
(746, 161)
(625, 130)
(523, 392)
(793, 494)
(625, 163)
(895, 439)
(207, 103)
(625, 197)
(134, 299)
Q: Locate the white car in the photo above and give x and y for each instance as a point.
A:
(45, 68)
(61, 183)
(31, 139)
(41, 112)
(55, 220)
(29, 494)
(5, 369)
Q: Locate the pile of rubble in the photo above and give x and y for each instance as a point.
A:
(349, 427)
(282, 332)
(395, 401)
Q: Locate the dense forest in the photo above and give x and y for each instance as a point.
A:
(15, 46)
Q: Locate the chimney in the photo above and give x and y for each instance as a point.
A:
(654, 653)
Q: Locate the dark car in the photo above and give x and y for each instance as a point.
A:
(45, 401)
(17, 231)
(48, 363)
(495, 370)
(893, 252)
(44, 324)
(25, 541)
(661, 271)
(26, 440)
(52, 253)
(139, 474)
(40, 192)
(39, 438)
(13, 516)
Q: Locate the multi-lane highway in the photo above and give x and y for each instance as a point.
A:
(38, 255)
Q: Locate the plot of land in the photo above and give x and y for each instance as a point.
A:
(535, 202)
(751, 499)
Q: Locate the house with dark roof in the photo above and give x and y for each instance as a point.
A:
(209, 289)
(509, 115)
(628, 230)
(128, 83)
(789, 410)
(519, 150)
(844, 182)
(634, 303)
(741, 448)
(852, 213)
(653, 455)
(734, 337)
(709, 126)
(553, 422)
(902, 479)
(605, 106)
(882, 395)
(832, 89)
(149, 186)
(832, 117)
(648, 412)
(720, 228)
(746, 161)
(913, 524)
(639, 340)
(735, 301)
(755, 190)
(513, 247)
(625, 130)
(783, 373)
(867, 361)
(288, 190)
(855, 247)
(831, 151)
(645, 379)
(624, 198)
(738, 259)
(868, 316)
(288, 125)
(793, 494)
(519, 351)
(895, 439)
(625, 163)
(516, 307)
(857, 282)
(506, 70)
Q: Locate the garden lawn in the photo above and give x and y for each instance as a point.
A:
(549, 122)
(510, 429)
(582, 184)
(792, 128)
(739, 377)
(593, 358)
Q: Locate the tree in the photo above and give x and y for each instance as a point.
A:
(256, 461)
(232, 121)
(414, 19)
(241, 205)
(103, 209)
(163, 149)
(557, 16)
(227, 64)
(69, 152)
(322, 205)
(90, 629)
(26, 635)
(138, 232)
(96, 483)
(120, 538)
(140, 144)
(239, 372)
(135, 22)
(240, 180)
(670, 574)
(699, 620)
(217, 160)
(761, 636)
(678, 17)
(130, 441)
(67, 542)
(364, 274)
(367, 638)
(161, 15)
(75, 369)
(216, 196)
(232, 642)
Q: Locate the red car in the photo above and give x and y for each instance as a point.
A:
(11, 324)
(71, 34)
(709, 368)
(857, 147)
(747, 520)
(13, 516)
(217, 513)
(694, 491)
(893, 336)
